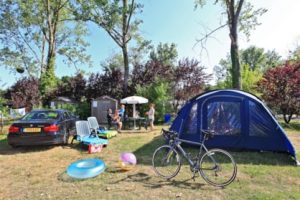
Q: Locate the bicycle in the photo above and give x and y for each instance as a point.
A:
(216, 166)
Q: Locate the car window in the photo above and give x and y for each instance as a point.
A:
(70, 114)
(39, 115)
(66, 115)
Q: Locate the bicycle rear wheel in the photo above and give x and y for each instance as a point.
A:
(218, 168)
(166, 162)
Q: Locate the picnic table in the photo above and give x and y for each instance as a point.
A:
(128, 123)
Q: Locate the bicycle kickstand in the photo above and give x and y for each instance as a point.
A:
(193, 177)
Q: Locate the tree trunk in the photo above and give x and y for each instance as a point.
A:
(234, 53)
(43, 55)
(233, 12)
(126, 69)
(124, 47)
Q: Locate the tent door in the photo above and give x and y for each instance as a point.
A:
(224, 115)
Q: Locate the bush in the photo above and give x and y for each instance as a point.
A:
(157, 93)
(83, 109)
(280, 89)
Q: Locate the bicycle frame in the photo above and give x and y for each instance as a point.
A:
(205, 159)
(176, 143)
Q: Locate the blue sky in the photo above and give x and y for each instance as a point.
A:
(176, 21)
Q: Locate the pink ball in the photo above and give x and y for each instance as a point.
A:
(128, 158)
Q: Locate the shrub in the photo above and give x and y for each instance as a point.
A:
(158, 94)
(25, 93)
(280, 89)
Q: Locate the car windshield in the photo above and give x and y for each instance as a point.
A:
(37, 115)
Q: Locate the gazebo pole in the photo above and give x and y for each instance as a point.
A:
(133, 115)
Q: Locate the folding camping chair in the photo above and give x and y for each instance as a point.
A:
(101, 131)
(86, 136)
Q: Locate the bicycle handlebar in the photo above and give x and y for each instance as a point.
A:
(169, 135)
(208, 133)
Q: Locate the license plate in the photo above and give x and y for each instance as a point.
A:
(32, 130)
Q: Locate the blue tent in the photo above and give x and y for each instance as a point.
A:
(240, 121)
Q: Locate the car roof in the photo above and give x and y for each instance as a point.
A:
(55, 110)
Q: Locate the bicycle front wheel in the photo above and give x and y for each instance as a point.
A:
(166, 162)
(218, 168)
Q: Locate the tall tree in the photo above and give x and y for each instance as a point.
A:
(166, 54)
(272, 59)
(241, 16)
(117, 18)
(254, 62)
(107, 83)
(73, 87)
(253, 56)
(190, 79)
(32, 33)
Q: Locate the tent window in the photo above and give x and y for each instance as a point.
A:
(190, 126)
(224, 117)
(260, 123)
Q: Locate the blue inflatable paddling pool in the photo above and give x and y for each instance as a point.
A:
(86, 168)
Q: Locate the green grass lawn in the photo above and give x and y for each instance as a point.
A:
(39, 173)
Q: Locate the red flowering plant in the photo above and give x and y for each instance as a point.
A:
(280, 88)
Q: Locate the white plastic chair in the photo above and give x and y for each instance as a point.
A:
(84, 134)
(93, 122)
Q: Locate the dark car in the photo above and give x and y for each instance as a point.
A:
(42, 127)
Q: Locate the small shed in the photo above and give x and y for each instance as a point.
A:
(100, 106)
(59, 101)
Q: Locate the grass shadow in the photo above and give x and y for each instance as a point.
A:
(6, 149)
(153, 182)
(144, 155)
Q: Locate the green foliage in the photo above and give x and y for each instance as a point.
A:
(48, 81)
(157, 93)
(82, 109)
(165, 53)
(272, 59)
(67, 106)
(254, 62)
(114, 62)
(295, 54)
(248, 19)
(32, 32)
(253, 57)
(250, 79)
(118, 19)
(3, 108)
(240, 17)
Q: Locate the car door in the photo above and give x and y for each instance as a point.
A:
(71, 122)
(66, 121)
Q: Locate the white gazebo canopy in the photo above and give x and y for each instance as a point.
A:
(134, 100)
